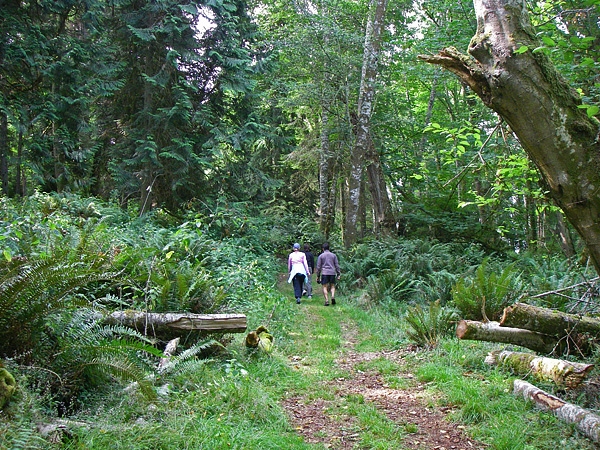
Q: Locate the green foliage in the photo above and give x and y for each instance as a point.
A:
(490, 287)
(430, 323)
(30, 291)
(7, 386)
(88, 354)
(389, 286)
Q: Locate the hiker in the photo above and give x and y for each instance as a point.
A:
(328, 267)
(310, 260)
(298, 269)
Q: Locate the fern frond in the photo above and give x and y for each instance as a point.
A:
(31, 291)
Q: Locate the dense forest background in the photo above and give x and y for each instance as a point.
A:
(226, 106)
(163, 155)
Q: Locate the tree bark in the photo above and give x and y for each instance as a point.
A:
(541, 108)
(167, 323)
(587, 422)
(4, 153)
(493, 332)
(366, 95)
(562, 373)
(566, 243)
(382, 209)
(326, 162)
(548, 321)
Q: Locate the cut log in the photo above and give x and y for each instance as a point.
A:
(587, 422)
(563, 373)
(548, 321)
(493, 332)
(156, 323)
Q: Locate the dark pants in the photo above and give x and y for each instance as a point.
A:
(298, 282)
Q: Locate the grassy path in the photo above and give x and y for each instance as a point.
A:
(359, 394)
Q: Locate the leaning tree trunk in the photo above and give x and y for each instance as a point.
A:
(541, 108)
(382, 208)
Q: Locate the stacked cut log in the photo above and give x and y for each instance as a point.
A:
(563, 373)
(540, 329)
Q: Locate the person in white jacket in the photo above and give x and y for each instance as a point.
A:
(298, 269)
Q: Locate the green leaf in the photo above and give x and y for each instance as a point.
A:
(522, 49)
(548, 41)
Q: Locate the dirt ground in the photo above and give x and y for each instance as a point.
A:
(428, 429)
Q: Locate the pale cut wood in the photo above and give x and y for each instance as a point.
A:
(587, 422)
(547, 321)
(563, 373)
(157, 322)
(170, 348)
(493, 332)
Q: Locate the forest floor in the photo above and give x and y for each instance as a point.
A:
(325, 420)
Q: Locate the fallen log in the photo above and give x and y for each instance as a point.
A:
(563, 373)
(548, 321)
(493, 332)
(159, 323)
(587, 422)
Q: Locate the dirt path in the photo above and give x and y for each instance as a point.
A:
(324, 422)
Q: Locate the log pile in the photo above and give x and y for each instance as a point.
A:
(551, 333)
(540, 329)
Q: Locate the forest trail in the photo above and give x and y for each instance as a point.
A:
(329, 414)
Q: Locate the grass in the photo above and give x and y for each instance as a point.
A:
(234, 401)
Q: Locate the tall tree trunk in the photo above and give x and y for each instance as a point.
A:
(540, 107)
(4, 152)
(382, 209)
(326, 160)
(429, 115)
(366, 94)
(20, 190)
(566, 243)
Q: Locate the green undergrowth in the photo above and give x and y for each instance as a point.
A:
(234, 400)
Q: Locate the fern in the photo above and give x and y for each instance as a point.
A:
(488, 288)
(186, 361)
(429, 325)
(29, 292)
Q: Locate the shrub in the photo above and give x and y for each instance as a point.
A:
(488, 289)
(427, 325)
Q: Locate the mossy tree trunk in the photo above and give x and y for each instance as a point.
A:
(527, 91)
(548, 321)
(562, 373)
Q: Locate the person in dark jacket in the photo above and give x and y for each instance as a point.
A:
(328, 268)
(310, 260)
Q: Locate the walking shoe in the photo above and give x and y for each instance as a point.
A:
(333, 301)
(310, 296)
(298, 300)
(303, 293)
(326, 303)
